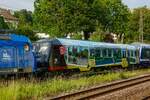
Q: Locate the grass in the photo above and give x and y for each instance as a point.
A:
(21, 90)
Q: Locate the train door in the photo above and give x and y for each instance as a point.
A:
(57, 59)
(8, 57)
(124, 61)
(137, 56)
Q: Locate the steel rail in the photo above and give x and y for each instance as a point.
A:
(103, 89)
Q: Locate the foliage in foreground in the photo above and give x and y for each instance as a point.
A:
(21, 89)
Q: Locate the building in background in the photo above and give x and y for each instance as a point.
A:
(9, 18)
(42, 35)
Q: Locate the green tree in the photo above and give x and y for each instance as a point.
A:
(3, 25)
(25, 23)
(25, 17)
(98, 35)
(112, 14)
(133, 33)
(59, 17)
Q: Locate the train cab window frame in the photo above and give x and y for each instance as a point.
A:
(42, 51)
(26, 47)
(145, 53)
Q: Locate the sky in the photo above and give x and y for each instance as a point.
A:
(28, 4)
(17, 4)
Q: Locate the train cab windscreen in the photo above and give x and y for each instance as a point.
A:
(42, 53)
(145, 53)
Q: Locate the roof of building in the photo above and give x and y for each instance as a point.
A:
(7, 15)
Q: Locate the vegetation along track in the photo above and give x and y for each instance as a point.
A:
(103, 89)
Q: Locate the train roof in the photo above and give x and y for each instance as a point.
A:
(14, 37)
(59, 41)
(137, 44)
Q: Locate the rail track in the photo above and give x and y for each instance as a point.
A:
(103, 89)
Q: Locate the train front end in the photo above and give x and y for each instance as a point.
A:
(48, 56)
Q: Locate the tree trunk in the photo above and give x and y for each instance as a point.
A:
(86, 35)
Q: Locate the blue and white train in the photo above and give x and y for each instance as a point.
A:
(18, 56)
(60, 54)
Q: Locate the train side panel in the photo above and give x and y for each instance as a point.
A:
(16, 54)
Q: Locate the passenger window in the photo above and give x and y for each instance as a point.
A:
(72, 55)
(117, 53)
(135, 53)
(92, 53)
(83, 57)
(131, 53)
(101, 53)
(78, 55)
(97, 52)
(124, 54)
(104, 52)
(109, 53)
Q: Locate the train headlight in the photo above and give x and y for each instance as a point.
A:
(26, 47)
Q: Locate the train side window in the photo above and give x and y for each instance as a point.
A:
(117, 53)
(137, 53)
(101, 52)
(77, 55)
(129, 53)
(123, 54)
(104, 52)
(112, 54)
(97, 52)
(82, 56)
(92, 53)
(132, 53)
(109, 53)
(72, 55)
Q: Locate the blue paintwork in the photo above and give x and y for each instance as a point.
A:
(13, 55)
(91, 44)
(140, 46)
(59, 41)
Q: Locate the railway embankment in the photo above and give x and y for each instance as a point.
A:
(108, 91)
(35, 89)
